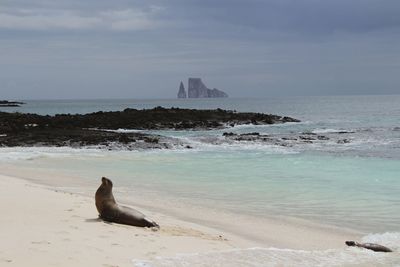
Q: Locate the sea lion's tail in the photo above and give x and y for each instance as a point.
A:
(151, 224)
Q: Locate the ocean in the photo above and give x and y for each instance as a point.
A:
(350, 179)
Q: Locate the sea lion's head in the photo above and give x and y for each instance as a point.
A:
(105, 188)
(104, 194)
(106, 182)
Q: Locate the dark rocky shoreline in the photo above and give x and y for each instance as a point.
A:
(18, 129)
(289, 140)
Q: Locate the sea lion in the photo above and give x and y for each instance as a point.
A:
(110, 211)
(371, 246)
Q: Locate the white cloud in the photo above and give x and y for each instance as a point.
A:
(114, 20)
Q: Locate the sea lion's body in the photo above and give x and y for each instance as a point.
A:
(110, 211)
(371, 246)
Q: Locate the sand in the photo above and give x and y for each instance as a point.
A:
(43, 226)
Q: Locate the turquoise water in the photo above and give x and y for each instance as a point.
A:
(356, 192)
(355, 185)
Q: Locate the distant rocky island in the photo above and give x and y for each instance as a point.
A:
(5, 103)
(197, 89)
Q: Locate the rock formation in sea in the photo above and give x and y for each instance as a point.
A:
(182, 91)
(216, 93)
(197, 89)
(5, 103)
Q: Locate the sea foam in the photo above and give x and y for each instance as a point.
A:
(266, 257)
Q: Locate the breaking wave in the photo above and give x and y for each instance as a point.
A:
(266, 257)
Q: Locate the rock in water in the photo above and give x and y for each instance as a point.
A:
(93, 129)
(197, 89)
(5, 103)
(182, 91)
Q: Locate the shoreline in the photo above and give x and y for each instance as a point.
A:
(73, 214)
(172, 206)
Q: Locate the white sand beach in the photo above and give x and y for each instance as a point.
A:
(43, 226)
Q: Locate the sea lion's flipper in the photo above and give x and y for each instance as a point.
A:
(151, 224)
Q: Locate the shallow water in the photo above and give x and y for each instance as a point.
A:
(355, 192)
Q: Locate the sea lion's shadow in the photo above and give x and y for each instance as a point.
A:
(93, 220)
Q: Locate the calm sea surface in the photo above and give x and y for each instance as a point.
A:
(355, 184)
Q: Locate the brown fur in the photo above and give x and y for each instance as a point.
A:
(110, 211)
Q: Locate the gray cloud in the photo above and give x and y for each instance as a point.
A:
(233, 16)
(306, 15)
(143, 48)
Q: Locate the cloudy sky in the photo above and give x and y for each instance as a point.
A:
(59, 49)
